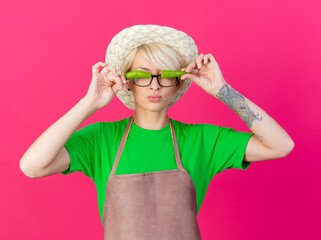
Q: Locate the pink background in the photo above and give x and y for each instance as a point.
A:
(269, 51)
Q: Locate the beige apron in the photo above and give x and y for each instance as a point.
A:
(153, 205)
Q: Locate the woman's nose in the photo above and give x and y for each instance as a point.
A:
(154, 84)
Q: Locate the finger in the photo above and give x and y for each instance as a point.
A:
(114, 79)
(196, 65)
(109, 69)
(95, 68)
(184, 69)
(199, 61)
(116, 88)
(191, 67)
(105, 71)
(119, 81)
(192, 70)
(113, 70)
(211, 58)
(205, 59)
(124, 81)
(208, 58)
(192, 77)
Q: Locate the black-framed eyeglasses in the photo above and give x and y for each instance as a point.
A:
(147, 80)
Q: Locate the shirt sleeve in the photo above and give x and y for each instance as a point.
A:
(224, 147)
(81, 148)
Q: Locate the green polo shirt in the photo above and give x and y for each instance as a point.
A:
(205, 150)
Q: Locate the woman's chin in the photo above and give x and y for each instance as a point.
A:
(152, 106)
(155, 106)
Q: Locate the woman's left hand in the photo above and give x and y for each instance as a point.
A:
(206, 73)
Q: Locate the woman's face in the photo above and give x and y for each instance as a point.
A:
(142, 94)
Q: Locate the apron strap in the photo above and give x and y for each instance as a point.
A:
(177, 155)
(124, 138)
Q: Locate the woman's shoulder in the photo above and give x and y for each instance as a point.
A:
(184, 127)
(117, 125)
(190, 128)
(188, 125)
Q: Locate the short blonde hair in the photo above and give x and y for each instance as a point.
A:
(160, 55)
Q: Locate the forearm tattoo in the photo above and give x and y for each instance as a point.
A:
(237, 103)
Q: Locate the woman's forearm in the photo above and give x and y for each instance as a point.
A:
(47, 146)
(266, 129)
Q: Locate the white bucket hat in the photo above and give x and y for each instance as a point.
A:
(136, 35)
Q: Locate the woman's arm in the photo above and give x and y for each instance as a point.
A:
(270, 140)
(47, 155)
(46, 150)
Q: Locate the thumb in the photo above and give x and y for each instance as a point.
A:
(192, 77)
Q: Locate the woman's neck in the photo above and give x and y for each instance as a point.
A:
(151, 122)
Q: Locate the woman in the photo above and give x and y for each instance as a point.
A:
(157, 168)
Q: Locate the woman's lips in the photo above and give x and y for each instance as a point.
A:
(154, 99)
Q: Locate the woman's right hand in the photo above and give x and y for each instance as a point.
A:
(103, 87)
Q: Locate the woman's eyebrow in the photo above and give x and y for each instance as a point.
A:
(142, 68)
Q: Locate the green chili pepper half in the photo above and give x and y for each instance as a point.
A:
(172, 74)
(165, 74)
(137, 74)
